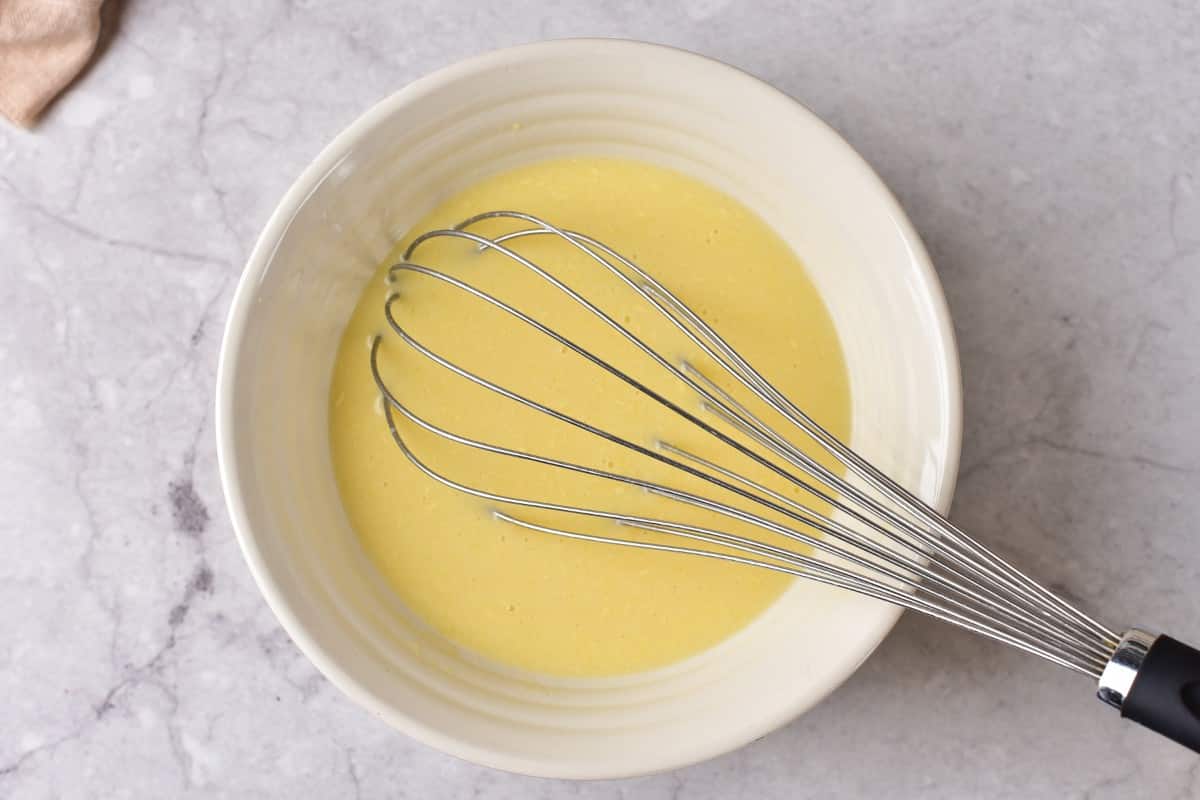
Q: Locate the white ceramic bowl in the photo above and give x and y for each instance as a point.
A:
(363, 192)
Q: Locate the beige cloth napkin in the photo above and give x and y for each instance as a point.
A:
(43, 46)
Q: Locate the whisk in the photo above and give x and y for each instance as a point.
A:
(877, 538)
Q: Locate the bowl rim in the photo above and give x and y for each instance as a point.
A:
(242, 305)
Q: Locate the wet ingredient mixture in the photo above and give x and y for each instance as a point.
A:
(531, 600)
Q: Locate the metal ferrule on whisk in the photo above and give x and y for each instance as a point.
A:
(1122, 668)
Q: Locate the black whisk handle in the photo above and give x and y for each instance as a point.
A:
(1165, 694)
(1155, 681)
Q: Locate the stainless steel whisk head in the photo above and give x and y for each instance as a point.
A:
(879, 539)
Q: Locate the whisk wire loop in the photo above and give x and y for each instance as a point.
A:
(890, 545)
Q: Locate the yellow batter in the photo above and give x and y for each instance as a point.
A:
(532, 600)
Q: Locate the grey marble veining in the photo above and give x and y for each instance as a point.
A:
(1049, 155)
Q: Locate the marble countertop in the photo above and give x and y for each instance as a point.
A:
(1049, 155)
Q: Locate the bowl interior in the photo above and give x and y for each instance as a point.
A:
(361, 195)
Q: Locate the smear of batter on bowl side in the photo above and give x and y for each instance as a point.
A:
(532, 600)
